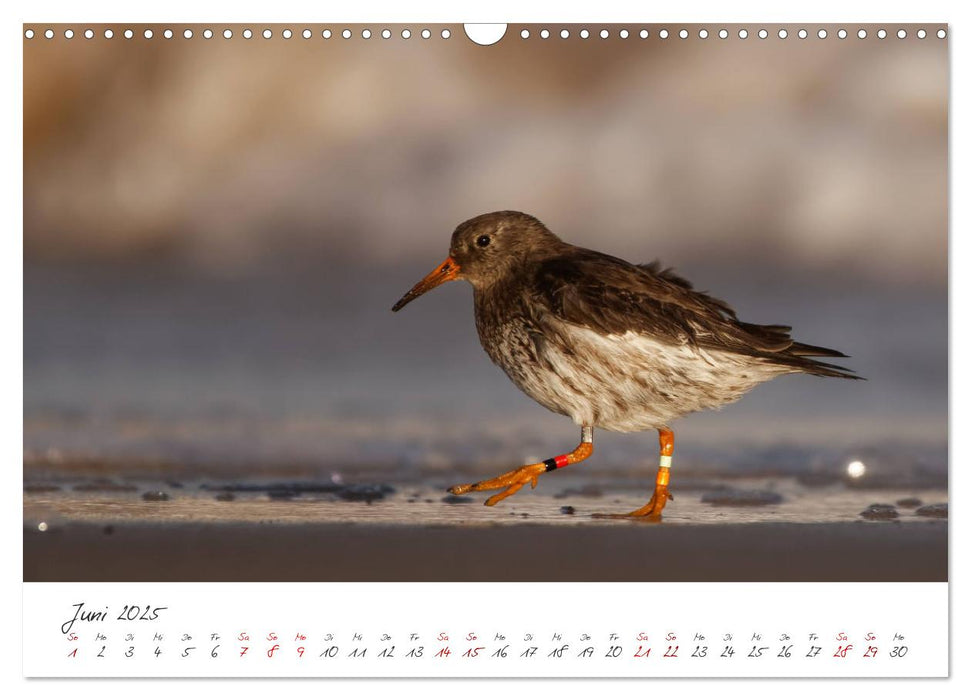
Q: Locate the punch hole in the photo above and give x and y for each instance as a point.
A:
(207, 34)
(425, 34)
(564, 34)
(584, 33)
(743, 34)
(167, 34)
(187, 33)
(29, 34)
(644, 33)
(722, 33)
(624, 33)
(902, 34)
(287, 33)
(306, 34)
(109, 34)
(683, 34)
(921, 34)
(803, 33)
(703, 34)
(483, 34)
(366, 34)
(545, 34)
(49, 34)
(861, 33)
(841, 33)
(881, 34)
(326, 34)
(88, 34)
(346, 33)
(446, 33)
(129, 34)
(148, 34)
(604, 33)
(941, 34)
(228, 34)
(267, 33)
(68, 33)
(763, 34)
(247, 33)
(783, 34)
(386, 34)
(406, 34)
(663, 33)
(524, 34)
(821, 33)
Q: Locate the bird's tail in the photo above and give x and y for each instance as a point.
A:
(776, 345)
(801, 356)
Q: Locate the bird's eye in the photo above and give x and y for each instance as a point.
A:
(483, 241)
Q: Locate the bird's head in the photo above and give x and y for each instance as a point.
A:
(486, 249)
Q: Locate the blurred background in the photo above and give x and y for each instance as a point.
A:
(215, 231)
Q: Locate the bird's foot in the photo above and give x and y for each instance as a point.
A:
(649, 512)
(510, 481)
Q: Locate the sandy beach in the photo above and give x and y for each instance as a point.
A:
(733, 530)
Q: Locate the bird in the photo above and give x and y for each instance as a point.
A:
(610, 344)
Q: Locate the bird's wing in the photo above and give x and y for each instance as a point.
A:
(612, 296)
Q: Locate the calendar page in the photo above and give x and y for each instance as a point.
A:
(526, 350)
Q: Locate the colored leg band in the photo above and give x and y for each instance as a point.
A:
(665, 461)
(556, 462)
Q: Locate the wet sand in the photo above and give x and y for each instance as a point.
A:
(204, 533)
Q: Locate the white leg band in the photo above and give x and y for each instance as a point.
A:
(666, 460)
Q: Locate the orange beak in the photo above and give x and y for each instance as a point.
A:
(445, 272)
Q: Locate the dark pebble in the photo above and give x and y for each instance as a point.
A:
(155, 496)
(365, 492)
(909, 502)
(40, 488)
(880, 511)
(228, 496)
(731, 497)
(567, 510)
(935, 510)
(453, 499)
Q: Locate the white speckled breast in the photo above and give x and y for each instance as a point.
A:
(623, 383)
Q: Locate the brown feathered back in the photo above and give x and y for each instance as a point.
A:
(612, 296)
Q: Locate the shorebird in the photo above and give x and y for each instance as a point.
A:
(605, 342)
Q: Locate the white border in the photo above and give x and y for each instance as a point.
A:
(654, 629)
(498, 11)
(495, 11)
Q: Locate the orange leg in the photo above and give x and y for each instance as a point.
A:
(652, 509)
(529, 474)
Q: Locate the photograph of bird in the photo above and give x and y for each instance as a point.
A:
(605, 342)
